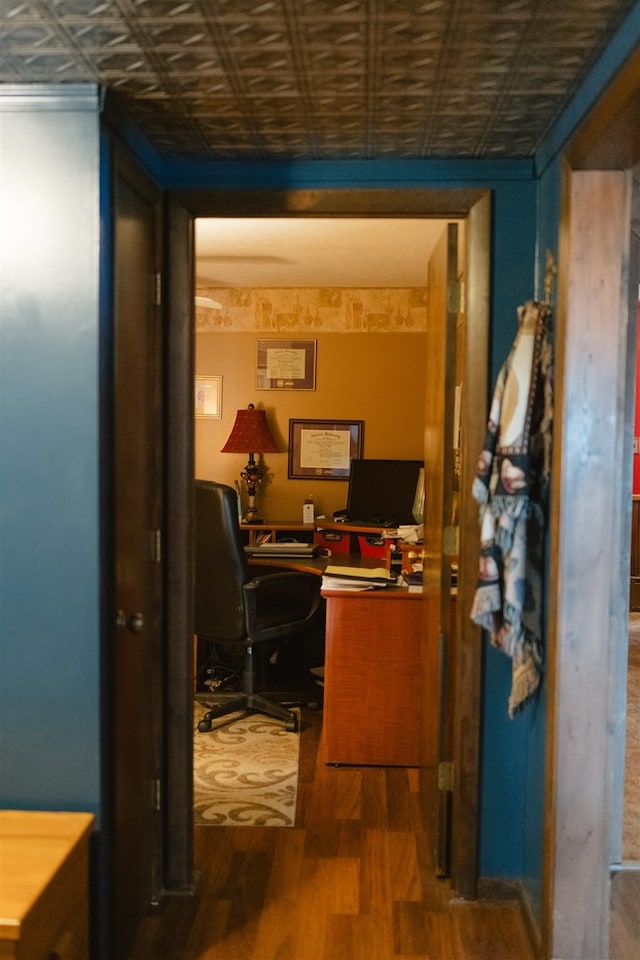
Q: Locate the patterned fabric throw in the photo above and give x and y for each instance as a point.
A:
(511, 487)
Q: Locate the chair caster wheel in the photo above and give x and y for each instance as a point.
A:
(204, 726)
(291, 726)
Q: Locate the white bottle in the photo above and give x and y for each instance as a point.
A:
(308, 512)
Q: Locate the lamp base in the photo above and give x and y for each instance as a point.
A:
(251, 513)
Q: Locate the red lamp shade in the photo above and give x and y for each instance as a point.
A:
(250, 433)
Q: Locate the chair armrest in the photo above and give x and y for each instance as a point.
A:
(279, 603)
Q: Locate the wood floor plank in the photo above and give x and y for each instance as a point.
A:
(336, 795)
(279, 936)
(358, 938)
(330, 885)
(421, 932)
(625, 915)
(399, 800)
(375, 875)
(487, 930)
(286, 864)
(374, 797)
(404, 876)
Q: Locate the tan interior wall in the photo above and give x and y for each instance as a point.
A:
(375, 377)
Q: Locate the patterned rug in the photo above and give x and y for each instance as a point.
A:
(631, 819)
(245, 773)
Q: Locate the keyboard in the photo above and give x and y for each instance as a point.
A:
(282, 550)
(381, 523)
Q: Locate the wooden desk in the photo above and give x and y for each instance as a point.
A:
(373, 697)
(44, 884)
(376, 660)
(345, 527)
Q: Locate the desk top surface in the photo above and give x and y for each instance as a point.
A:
(33, 847)
(316, 564)
(321, 523)
(319, 564)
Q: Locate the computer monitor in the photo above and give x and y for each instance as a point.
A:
(382, 492)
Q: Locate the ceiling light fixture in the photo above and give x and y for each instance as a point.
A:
(208, 302)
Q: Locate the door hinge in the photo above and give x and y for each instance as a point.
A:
(157, 290)
(445, 775)
(451, 541)
(156, 796)
(156, 546)
(454, 296)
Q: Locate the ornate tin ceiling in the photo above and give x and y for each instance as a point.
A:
(319, 79)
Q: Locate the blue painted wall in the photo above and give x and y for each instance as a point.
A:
(49, 571)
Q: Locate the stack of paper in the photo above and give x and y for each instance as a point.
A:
(337, 577)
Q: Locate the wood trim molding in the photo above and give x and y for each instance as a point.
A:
(178, 772)
(367, 202)
(588, 602)
(475, 376)
(609, 139)
(474, 204)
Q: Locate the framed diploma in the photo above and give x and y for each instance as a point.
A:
(208, 397)
(286, 365)
(323, 449)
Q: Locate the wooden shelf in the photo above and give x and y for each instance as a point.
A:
(276, 528)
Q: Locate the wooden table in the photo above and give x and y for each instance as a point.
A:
(44, 885)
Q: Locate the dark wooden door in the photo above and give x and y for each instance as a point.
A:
(137, 651)
(440, 510)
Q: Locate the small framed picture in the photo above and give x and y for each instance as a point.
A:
(208, 397)
(286, 365)
(324, 449)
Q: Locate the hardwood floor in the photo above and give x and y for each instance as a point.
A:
(631, 815)
(353, 880)
(625, 915)
(624, 920)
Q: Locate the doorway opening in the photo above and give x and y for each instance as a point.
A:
(473, 206)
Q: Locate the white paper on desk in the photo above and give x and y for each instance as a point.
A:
(411, 534)
(346, 584)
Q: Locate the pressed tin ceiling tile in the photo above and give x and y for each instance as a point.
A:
(319, 79)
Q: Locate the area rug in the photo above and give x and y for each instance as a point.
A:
(245, 773)
(631, 818)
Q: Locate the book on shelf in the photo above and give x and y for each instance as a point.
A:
(261, 538)
(413, 581)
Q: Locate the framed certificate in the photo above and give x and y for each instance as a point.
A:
(208, 397)
(323, 449)
(286, 365)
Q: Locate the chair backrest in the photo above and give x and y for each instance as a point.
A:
(220, 563)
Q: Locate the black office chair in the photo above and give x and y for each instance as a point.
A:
(236, 609)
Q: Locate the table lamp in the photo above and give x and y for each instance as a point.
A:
(251, 435)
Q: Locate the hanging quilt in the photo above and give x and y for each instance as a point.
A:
(511, 486)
